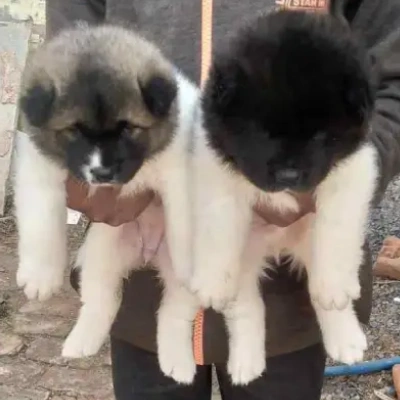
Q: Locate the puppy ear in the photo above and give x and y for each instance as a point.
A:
(37, 104)
(158, 94)
(359, 99)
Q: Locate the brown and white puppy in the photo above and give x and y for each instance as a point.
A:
(105, 105)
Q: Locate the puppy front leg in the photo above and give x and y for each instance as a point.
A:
(222, 219)
(105, 260)
(178, 216)
(245, 319)
(40, 202)
(343, 337)
(343, 202)
(342, 334)
(175, 329)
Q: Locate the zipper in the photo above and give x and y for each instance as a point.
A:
(206, 55)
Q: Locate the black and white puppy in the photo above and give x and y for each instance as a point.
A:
(104, 105)
(286, 110)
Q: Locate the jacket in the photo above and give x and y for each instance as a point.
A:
(175, 27)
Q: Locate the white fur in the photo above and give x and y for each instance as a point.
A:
(94, 161)
(227, 255)
(328, 243)
(40, 202)
(105, 259)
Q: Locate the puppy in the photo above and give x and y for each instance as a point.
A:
(285, 111)
(104, 105)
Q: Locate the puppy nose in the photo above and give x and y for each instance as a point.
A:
(288, 176)
(102, 174)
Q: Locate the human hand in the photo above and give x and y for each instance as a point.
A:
(105, 205)
(283, 219)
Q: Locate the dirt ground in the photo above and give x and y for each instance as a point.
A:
(31, 334)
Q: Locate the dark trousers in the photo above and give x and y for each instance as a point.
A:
(295, 376)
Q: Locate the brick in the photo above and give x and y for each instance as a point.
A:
(7, 274)
(64, 305)
(15, 393)
(94, 383)
(63, 398)
(26, 324)
(19, 374)
(10, 344)
(48, 350)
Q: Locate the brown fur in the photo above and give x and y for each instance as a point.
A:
(128, 63)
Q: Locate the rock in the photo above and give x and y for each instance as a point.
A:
(48, 350)
(63, 305)
(19, 373)
(7, 275)
(15, 393)
(385, 218)
(10, 344)
(25, 324)
(94, 383)
(63, 398)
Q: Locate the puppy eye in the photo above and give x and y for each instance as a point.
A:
(78, 128)
(71, 132)
(126, 128)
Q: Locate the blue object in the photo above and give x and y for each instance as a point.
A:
(368, 367)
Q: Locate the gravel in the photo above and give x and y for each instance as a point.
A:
(383, 332)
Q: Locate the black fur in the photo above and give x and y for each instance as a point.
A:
(158, 95)
(289, 98)
(37, 104)
(122, 156)
(123, 147)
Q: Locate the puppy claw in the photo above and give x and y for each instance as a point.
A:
(39, 281)
(78, 346)
(216, 294)
(347, 344)
(180, 366)
(85, 339)
(245, 367)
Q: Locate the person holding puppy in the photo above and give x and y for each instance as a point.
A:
(296, 356)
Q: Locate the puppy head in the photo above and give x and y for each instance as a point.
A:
(100, 102)
(289, 98)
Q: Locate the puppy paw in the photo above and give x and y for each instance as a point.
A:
(216, 291)
(346, 343)
(83, 341)
(39, 281)
(246, 363)
(178, 363)
(334, 290)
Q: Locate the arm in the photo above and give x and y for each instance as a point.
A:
(382, 25)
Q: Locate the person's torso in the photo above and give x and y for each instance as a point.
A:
(176, 25)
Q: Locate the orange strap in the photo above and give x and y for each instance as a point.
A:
(206, 54)
(206, 38)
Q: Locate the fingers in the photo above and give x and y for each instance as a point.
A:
(77, 193)
(104, 204)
